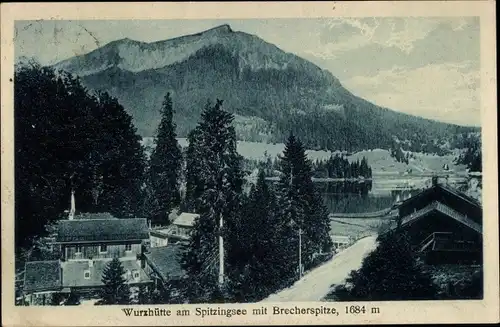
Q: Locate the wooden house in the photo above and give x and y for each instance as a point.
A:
(179, 231)
(163, 266)
(86, 247)
(41, 280)
(94, 239)
(444, 225)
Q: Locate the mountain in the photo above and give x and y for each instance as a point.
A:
(271, 92)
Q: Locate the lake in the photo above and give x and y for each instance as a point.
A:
(379, 193)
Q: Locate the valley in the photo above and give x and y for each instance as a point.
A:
(382, 163)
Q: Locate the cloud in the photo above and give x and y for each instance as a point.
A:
(345, 34)
(396, 42)
(341, 35)
(446, 92)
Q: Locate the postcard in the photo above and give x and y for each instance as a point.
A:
(249, 163)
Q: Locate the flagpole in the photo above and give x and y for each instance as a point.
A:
(221, 253)
(300, 253)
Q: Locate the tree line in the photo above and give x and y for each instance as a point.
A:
(336, 166)
(68, 138)
(339, 167)
(471, 155)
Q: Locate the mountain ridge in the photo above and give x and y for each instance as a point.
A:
(256, 79)
(178, 49)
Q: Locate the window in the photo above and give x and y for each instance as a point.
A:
(78, 249)
(86, 274)
(136, 274)
(128, 247)
(103, 248)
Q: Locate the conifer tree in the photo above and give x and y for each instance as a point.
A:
(194, 183)
(302, 210)
(218, 175)
(258, 256)
(66, 139)
(165, 166)
(115, 290)
(124, 161)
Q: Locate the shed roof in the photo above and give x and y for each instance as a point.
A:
(42, 276)
(186, 219)
(91, 230)
(166, 261)
(160, 232)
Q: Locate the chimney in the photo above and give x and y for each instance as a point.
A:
(72, 210)
(434, 180)
(91, 263)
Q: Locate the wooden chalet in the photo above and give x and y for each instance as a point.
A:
(444, 225)
(163, 265)
(178, 232)
(86, 246)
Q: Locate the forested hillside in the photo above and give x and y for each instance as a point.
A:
(272, 92)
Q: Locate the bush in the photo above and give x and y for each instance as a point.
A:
(390, 272)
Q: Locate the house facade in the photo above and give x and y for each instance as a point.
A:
(178, 232)
(444, 225)
(86, 246)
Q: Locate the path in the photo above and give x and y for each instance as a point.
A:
(315, 285)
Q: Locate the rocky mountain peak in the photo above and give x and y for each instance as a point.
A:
(225, 28)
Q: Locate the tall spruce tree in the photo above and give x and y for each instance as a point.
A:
(122, 170)
(257, 270)
(49, 132)
(115, 289)
(194, 183)
(165, 166)
(302, 210)
(218, 174)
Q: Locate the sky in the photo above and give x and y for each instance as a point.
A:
(429, 67)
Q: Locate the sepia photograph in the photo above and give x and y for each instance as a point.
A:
(225, 161)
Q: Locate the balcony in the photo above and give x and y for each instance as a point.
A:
(447, 241)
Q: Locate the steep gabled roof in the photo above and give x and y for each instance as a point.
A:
(450, 190)
(461, 195)
(442, 208)
(40, 276)
(102, 230)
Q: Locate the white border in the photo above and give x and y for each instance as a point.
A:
(486, 310)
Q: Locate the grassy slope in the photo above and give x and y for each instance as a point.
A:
(380, 160)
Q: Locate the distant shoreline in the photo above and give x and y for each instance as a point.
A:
(381, 176)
